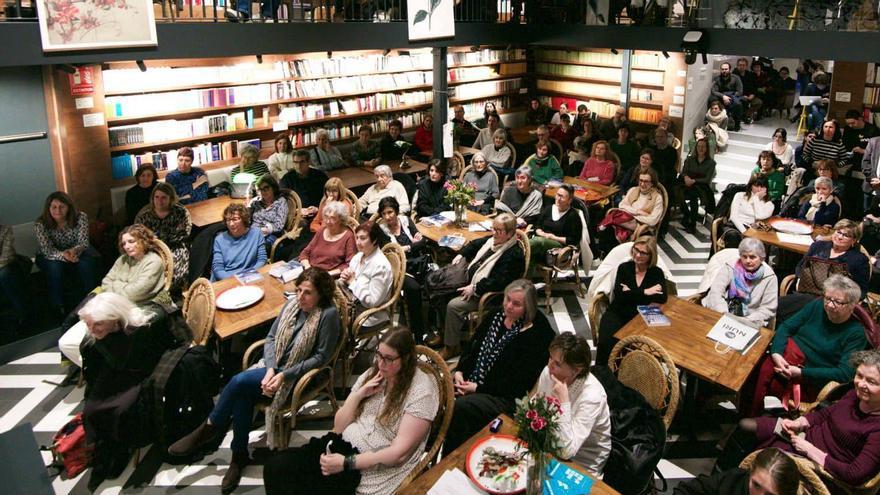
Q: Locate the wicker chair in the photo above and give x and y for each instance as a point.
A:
(355, 205)
(556, 150)
(293, 227)
(643, 365)
(715, 233)
(491, 299)
(313, 384)
(643, 229)
(198, 310)
(568, 259)
(430, 362)
(810, 482)
(456, 165)
(165, 253)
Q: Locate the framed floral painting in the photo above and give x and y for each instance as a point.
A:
(430, 19)
(67, 25)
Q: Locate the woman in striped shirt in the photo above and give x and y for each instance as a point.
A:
(824, 146)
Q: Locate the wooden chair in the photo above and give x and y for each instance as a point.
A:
(168, 259)
(491, 299)
(468, 168)
(198, 310)
(512, 148)
(293, 227)
(556, 150)
(456, 165)
(715, 234)
(431, 363)
(315, 383)
(412, 212)
(643, 229)
(810, 483)
(643, 365)
(360, 338)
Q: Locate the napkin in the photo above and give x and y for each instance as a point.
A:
(454, 482)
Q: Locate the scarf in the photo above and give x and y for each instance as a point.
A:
(742, 283)
(404, 223)
(816, 205)
(530, 207)
(495, 342)
(300, 351)
(484, 266)
(715, 122)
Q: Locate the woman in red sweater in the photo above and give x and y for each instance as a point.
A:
(601, 166)
(424, 137)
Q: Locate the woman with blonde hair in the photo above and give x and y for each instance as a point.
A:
(334, 190)
(602, 165)
(250, 163)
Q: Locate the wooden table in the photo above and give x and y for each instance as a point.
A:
(457, 458)
(772, 238)
(686, 342)
(467, 150)
(354, 177)
(594, 188)
(435, 233)
(524, 135)
(210, 210)
(229, 323)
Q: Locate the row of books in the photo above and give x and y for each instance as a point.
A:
(872, 97)
(872, 75)
(873, 117)
(307, 136)
(299, 112)
(645, 115)
(638, 94)
(609, 74)
(162, 130)
(602, 108)
(469, 73)
(157, 78)
(639, 60)
(485, 56)
(475, 90)
(125, 164)
(362, 64)
(586, 89)
(475, 109)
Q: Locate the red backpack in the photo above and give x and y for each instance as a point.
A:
(70, 451)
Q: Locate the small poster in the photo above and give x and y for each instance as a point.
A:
(81, 82)
(430, 19)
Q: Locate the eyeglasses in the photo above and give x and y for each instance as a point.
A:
(266, 188)
(643, 181)
(381, 358)
(844, 234)
(639, 252)
(834, 302)
(300, 161)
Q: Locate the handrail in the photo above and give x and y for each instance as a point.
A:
(30, 136)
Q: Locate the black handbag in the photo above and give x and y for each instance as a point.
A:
(447, 279)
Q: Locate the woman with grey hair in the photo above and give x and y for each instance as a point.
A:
(520, 198)
(810, 349)
(250, 164)
(486, 181)
(497, 153)
(508, 352)
(324, 156)
(385, 186)
(822, 207)
(333, 246)
(745, 286)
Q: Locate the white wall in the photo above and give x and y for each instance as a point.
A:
(699, 86)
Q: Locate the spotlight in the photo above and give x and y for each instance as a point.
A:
(259, 59)
(475, 48)
(694, 42)
(665, 54)
(66, 68)
(141, 65)
(614, 51)
(386, 52)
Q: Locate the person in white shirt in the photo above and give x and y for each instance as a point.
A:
(780, 147)
(385, 186)
(585, 424)
(487, 135)
(369, 276)
(747, 207)
(281, 161)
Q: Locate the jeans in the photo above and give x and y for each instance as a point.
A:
(237, 402)
(267, 8)
(13, 285)
(816, 116)
(86, 269)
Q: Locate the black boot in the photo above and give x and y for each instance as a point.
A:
(240, 460)
(191, 443)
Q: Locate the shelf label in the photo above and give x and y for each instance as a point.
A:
(93, 119)
(682, 73)
(679, 90)
(842, 96)
(678, 100)
(84, 103)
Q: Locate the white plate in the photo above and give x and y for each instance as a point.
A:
(505, 443)
(791, 226)
(239, 297)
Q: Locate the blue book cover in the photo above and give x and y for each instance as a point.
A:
(564, 480)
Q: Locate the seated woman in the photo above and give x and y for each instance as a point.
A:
(498, 154)
(281, 161)
(140, 193)
(493, 262)
(385, 186)
(379, 433)
(747, 207)
(424, 136)
(630, 179)
(585, 424)
(171, 223)
(432, 191)
(810, 349)
(240, 248)
(695, 181)
(302, 338)
(369, 277)
(564, 133)
(827, 168)
(746, 286)
(269, 209)
(334, 190)
(559, 225)
(543, 165)
(771, 169)
(365, 152)
(717, 120)
(602, 165)
(843, 249)
(487, 184)
(772, 472)
(641, 205)
(62, 246)
(250, 163)
(325, 156)
(138, 275)
(626, 150)
(824, 146)
(521, 199)
(821, 208)
(397, 228)
(781, 149)
(583, 144)
(556, 119)
(333, 246)
(508, 351)
(638, 282)
(113, 373)
(843, 438)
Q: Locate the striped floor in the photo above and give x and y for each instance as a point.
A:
(30, 394)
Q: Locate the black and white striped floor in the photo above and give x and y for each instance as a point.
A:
(30, 394)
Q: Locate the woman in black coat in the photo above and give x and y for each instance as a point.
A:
(431, 191)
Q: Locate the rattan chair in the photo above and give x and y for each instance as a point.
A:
(168, 259)
(198, 310)
(431, 363)
(810, 482)
(456, 165)
(568, 260)
(355, 204)
(492, 299)
(556, 150)
(715, 233)
(643, 365)
(293, 227)
(468, 168)
(315, 383)
(643, 229)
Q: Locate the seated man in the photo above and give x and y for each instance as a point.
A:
(306, 182)
(465, 130)
(240, 248)
(190, 183)
(751, 103)
(728, 88)
(856, 135)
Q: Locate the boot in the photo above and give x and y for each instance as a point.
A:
(191, 443)
(240, 460)
(433, 339)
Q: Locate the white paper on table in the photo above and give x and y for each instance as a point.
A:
(802, 239)
(454, 482)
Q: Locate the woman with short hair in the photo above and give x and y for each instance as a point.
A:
(424, 136)
(324, 156)
(138, 195)
(559, 225)
(365, 152)
(431, 190)
(334, 190)
(746, 286)
(250, 163)
(642, 204)
(332, 247)
(385, 186)
(822, 207)
(497, 153)
(768, 166)
(171, 223)
(829, 169)
(583, 144)
(369, 277)
(240, 248)
(772, 472)
(486, 181)
(521, 198)
(269, 209)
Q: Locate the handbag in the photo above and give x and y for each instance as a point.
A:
(815, 271)
(447, 279)
(71, 453)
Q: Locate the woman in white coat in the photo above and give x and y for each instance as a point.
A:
(369, 276)
(745, 286)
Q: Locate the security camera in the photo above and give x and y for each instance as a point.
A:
(694, 42)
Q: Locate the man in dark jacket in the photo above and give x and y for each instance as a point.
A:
(388, 145)
(728, 89)
(751, 103)
(306, 182)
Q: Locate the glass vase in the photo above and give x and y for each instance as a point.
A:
(536, 475)
(460, 210)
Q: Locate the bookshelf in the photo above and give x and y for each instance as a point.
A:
(871, 99)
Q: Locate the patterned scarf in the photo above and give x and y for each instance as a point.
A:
(495, 342)
(743, 280)
(300, 351)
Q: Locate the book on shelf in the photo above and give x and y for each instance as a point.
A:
(588, 90)
(872, 97)
(166, 130)
(472, 90)
(514, 68)
(735, 332)
(645, 115)
(873, 73)
(158, 78)
(580, 57)
(646, 95)
(485, 56)
(653, 316)
(605, 73)
(599, 107)
(470, 73)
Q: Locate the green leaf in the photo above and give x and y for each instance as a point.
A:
(434, 5)
(420, 16)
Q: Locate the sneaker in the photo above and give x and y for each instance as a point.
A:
(233, 15)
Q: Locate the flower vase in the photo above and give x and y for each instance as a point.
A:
(536, 475)
(460, 215)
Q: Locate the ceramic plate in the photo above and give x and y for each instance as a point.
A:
(511, 480)
(790, 226)
(239, 297)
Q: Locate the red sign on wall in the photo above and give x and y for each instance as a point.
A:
(81, 82)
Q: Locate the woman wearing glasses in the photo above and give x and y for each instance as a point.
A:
(269, 209)
(378, 435)
(302, 338)
(639, 281)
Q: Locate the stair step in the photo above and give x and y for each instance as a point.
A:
(746, 136)
(744, 148)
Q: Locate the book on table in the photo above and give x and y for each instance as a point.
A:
(451, 241)
(286, 271)
(248, 276)
(653, 316)
(735, 332)
(437, 220)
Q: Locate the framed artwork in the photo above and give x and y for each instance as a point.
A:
(67, 25)
(430, 19)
